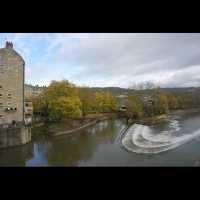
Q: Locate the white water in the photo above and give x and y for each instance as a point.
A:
(141, 139)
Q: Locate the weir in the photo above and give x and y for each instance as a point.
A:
(141, 139)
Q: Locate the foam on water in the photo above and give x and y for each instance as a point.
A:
(163, 136)
(141, 139)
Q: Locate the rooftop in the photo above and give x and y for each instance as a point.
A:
(9, 49)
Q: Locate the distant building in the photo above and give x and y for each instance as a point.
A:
(11, 85)
(28, 112)
(122, 102)
(32, 91)
(147, 100)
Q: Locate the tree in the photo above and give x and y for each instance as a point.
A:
(134, 108)
(87, 98)
(160, 102)
(61, 88)
(59, 100)
(172, 101)
(65, 107)
(146, 85)
(105, 102)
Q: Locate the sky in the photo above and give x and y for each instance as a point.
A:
(109, 59)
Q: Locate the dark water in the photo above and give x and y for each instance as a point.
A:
(99, 146)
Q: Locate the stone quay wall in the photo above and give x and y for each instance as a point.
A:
(15, 136)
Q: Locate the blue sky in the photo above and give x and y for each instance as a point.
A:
(108, 59)
(39, 51)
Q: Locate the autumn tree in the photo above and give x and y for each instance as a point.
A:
(172, 101)
(59, 100)
(134, 107)
(65, 107)
(105, 102)
(87, 98)
(160, 102)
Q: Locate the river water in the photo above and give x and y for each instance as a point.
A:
(100, 145)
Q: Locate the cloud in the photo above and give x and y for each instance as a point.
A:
(111, 59)
(135, 56)
(186, 77)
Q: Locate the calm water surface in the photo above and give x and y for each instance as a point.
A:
(99, 146)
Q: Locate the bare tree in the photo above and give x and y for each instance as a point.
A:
(143, 85)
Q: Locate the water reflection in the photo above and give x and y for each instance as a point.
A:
(16, 156)
(75, 148)
(98, 146)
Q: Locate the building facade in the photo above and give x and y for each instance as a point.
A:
(12, 68)
(32, 91)
(28, 112)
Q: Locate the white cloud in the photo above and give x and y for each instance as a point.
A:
(111, 59)
(135, 56)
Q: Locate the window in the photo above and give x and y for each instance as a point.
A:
(1, 66)
(1, 95)
(26, 104)
(1, 105)
(0, 86)
(9, 96)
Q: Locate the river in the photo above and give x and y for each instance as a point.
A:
(100, 145)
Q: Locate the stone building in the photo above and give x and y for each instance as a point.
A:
(13, 130)
(32, 91)
(28, 112)
(12, 68)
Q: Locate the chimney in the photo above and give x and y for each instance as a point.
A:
(9, 45)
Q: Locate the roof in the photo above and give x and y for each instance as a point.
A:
(6, 50)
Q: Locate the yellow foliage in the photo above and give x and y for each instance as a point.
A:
(105, 102)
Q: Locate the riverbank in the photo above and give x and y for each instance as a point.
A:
(160, 118)
(68, 126)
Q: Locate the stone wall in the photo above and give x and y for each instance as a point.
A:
(11, 86)
(14, 136)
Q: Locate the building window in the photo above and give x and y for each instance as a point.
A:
(1, 105)
(1, 95)
(0, 86)
(9, 96)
